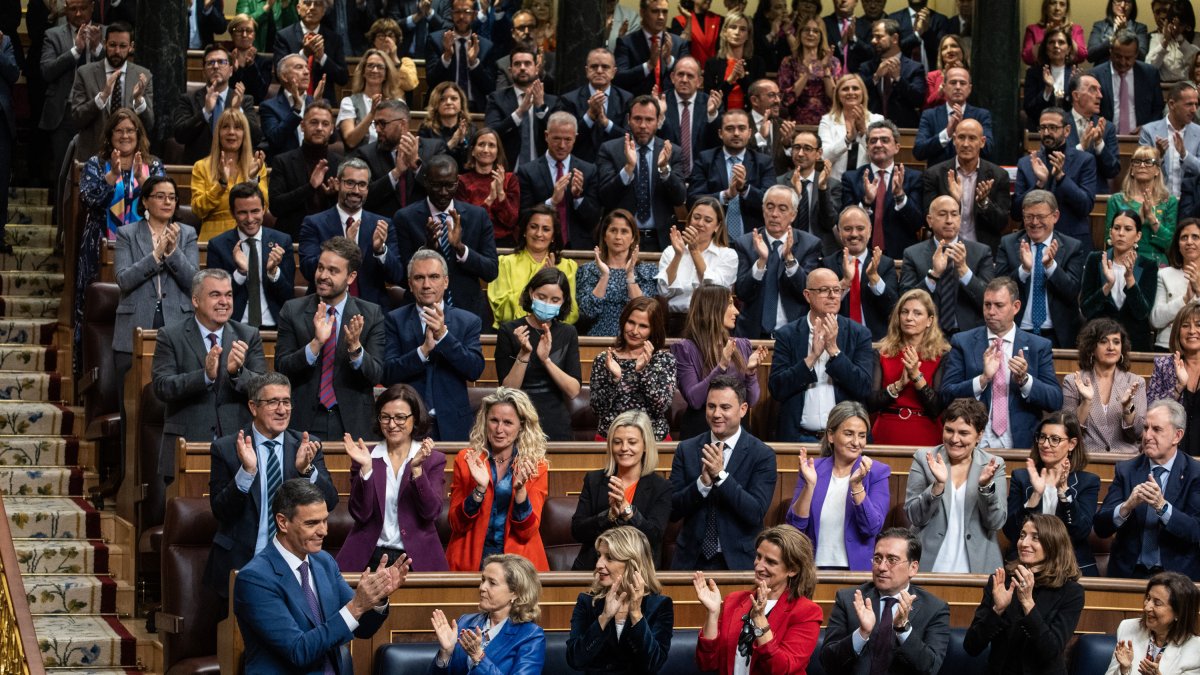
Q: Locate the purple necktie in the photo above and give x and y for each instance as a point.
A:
(314, 607)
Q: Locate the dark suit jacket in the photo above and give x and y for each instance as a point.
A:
(741, 500)
(641, 649)
(537, 186)
(290, 40)
(1075, 193)
(877, 309)
(918, 260)
(354, 387)
(822, 211)
(195, 133)
(851, 371)
(921, 652)
(256, 77)
(209, 22)
(651, 512)
(90, 120)
(1062, 287)
(1108, 164)
(704, 133)
(292, 196)
(1034, 90)
(910, 43)
(1177, 538)
(929, 149)
(373, 275)
(8, 78)
(590, 138)
(908, 92)
(989, 222)
(1083, 487)
(482, 77)
(442, 380)
(1147, 93)
(900, 228)
(714, 77)
(1019, 644)
(710, 177)
(631, 53)
(382, 197)
(279, 124)
(1134, 314)
(501, 105)
(806, 249)
(666, 193)
(58, 71)
(482, 262)
(859, 50)
(965, 361)
(194, 410)
(220, 256)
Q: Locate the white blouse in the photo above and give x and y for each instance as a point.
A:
(720, 265)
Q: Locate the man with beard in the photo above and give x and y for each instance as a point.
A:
(770, 131)
(461, 56)
(102, 87)
(935, 136)
(820, 193)
(318, 44)
(735, 174)
(689, 110)
(66, 48)
(921, 31)
(896, 83)
(196, 115)
(1064, 171)
(849, 38)
(598, 105)
(868, 277)
(645, 57)
(331, 346)
(300, 183)
(259, 259)
(1093, 134)
(524, 23)
(565, 183)
(518, 114)
(980, 187)
(395, 158)
(888, 191)
(282, 115)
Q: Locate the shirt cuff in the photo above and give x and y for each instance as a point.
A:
(273, 276)
(966, 278)
(462, 259)
(903, 635)
(1028, 386)
(243, 480)
(1051, 269)
(351, 622)
(357, 361)
(1166, 516)
(382, 257)
(930, 284)
(943, 137)
(902, 202)
(324, 59)
(704, 489)
(878, 287)
(857, 641)
(309, 356)
(1023, 274)
(312, 478)
(100, 101)
(239, 278)
(626, 177)
(1118, 519)
(757, 273)
(977, 385)
(139, 105)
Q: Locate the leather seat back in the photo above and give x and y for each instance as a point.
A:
(1091, 653)
(187, 536)
(99, 317)
(561, 547)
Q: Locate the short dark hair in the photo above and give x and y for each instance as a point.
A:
(1126, 36)
(148, 189)
(729, 382)
(1090, 336)
(969, 410)
(556, 244)
(1055, 110)
(524, 47)
(1179, 87)
(734, 111)
(245, 190)
(214, 48)
(1068, 420)
(1184, 601)
(396, 104)
(293, 494)
(345, 249)
(271, 378)
(319, 104)
(548, 276)
(890, 26)
(118, 27)
(406, 393)
(910, 538)
(885, 124)
(438, 162)
(810, 132)
(644, 99)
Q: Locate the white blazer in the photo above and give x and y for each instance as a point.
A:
(1177, 660)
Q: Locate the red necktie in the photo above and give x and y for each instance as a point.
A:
(562, 206)
(312, 81)
(325, 392)
(855, 296)
(657, 62)
(353, 284)
(685, 136)
(880, 197)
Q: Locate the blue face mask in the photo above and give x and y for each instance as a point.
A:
(544, 311)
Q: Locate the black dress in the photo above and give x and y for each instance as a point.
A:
(547, 398)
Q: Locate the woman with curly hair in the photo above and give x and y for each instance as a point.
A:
(906, 409)
(1108, 400)
(446, 117)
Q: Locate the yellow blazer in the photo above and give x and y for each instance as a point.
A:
(516, 269)
(210, 199)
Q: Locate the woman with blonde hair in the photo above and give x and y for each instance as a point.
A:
(806, 77)
(698, 253)
(376, 78)
(905, 402)
(952, 53)
(232, 160)
(506, 623)
(1145, 193)
(499, 485)
(735, 67)
(446, 117)
(843, 130)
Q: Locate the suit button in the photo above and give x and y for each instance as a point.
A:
(403, 533)
(968, 536)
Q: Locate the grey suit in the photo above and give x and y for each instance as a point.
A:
(985, 513)
(918, 260)
(1191, 144)
(139, 277)
(354, 387)
(920, 653)
(89, 119)
(58, 70)
(196, 410)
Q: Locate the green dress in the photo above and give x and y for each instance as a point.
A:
(269, 23)
(1153, 245)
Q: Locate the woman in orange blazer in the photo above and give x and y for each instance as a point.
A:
(775, 626)
(499, 485)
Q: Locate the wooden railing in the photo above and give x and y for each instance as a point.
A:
(19, 652)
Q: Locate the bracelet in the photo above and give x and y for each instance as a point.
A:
(933, 276)
(520, 361)
(860, 491)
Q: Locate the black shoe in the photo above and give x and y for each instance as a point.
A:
(6, 248)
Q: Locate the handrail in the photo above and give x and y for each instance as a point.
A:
(19, 652)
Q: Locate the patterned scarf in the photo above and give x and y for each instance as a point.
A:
(122, 210)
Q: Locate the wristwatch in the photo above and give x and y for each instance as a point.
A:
(1161, 511)
(759, 632)
(628, 510)
(722, 476)
(900, 628)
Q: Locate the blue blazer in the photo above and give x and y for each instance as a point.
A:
(641, 648)
(704, 135)
(863, 521)
(741, 501)
(372, 274)
(1147, 92)
(965, 361)
(1076, 192)
(908, 92)
(1062, 287)
(1177, 538)
(279, 123)
(519, 649)
(710, 176)
(852, 371)
(482, 77)
(442, 381)
(899, 227)
(589, 139)
(1083, 488)
(1108, 164)
(481, 264)
(220, 255)
(290, 40)
(806, 248)
(280, 632)
(929, 149)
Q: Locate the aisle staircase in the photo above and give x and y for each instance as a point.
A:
(76, 562)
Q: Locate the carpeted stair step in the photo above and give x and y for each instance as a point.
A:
(53, 518)
(28, 214)
(30, 259)
(85, 641)
(77, 594)
(32, 284)
(97, 671)
(31, 235)
(44, 451)
(20, 418)
(23, 386)
(65, 556)
(22, 307)
(28, 332)
(50, 481)
(28, 195)
(28, 358)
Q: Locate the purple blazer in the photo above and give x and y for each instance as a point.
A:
(864, 521)
(418, 505)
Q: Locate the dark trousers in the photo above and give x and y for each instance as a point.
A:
(324, 424)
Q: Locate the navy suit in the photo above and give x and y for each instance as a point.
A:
(518, 649)
(641, 649)
(899, 227)
(1108, 163)
(806, 248)
(482, 262)
(537, 185)
(220, 256)
(910, 42)
(851, 371)
(965, 362)
(665, 194)
(500, 107)
(928, 147)
(1075, 193)
(210, 22)
(908, 92)
(876, 309)
(741, 501)
(921, 652)
(292, 195)
(704, 134)
(382, 197)
(290, 40)
(1062, 287)
(710, 177)
(1177, 538)
(482, 78)
(858, 51)
(1147, 92)
(442, 380)
(279, 630)
(631, 54)
(373, 274)
(1083, 488)
(590, 138)
(279, 124)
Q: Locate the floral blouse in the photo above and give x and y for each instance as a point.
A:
(812, 103)
(650, 389)
(605, 313)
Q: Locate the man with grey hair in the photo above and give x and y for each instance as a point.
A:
(1153, 504)
(518, 114)
(1048, 267)
(890, 192)
(373, 233)
(282, 113)
(202, 365)
(434, 347)
(1131, 93)
(395, 158)
(563, 182)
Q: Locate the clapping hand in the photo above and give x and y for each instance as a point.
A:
(808, 467)
(1002, 594)
(375, 587)
(757, 358)
(358, 452)
(1124, 656)
(707, 593)
(480, 472)
(988, 472)
(246, 454)
(712, 462)
(445, 631)
(616, 497)
(865, 613)
(306, 453)
(423, 453)
(610, 362)
(937, 467)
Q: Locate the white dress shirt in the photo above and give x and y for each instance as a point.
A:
(389, 536)
(820, 397)
(720, 263)
(293, 564)
(240, 279)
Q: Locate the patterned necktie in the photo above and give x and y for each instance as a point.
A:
(444, 247)
(118, 94)
(461, 76)
(880, 204)
(882, 639)
(1038, 316)
(274, 480)
(685, 136)
(1126, 126)
(212, 340)
(315, 607)
(254, 283)
(856, 295)
(350, 224)
(712, 540)
(1151, 556)
(802, 211)
(1000, 393)
(733, 213)
(643, 185)
(842, 24)
(559, 172)
(770, 312)
(946, 294)
(325, 393)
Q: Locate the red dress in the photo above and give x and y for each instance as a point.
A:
(905, 421)
(474, 188)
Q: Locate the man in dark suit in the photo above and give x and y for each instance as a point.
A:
(435, 348)
(65, 48)
(302, 180)
(1070, 175)
(889, 618)
(820, 360)
(331, 346)
(921, 31)
(820, 193)
(108, 11)
(980, 187)
(642, 174)
(259, 259)
(953, 270)
(276, 605)
(735, 174)
(206, 19)
(249, 464)
(773, 266)
(1153, 504)
(1092, 133)
(702, 111)
(868, 276)
(598, 105)
(849, 38)
(254, 71)
(1007, 369)
(645, 57)
(457, 229)
(524, 24)
(101, 87)
(565, 183)
(202, 368)
(282, 114)
(196, 115)
(395, 158)
(1048, 266)
(935, 137)
(895, 83)
(418, 19)
(770, 134)
(373, 233)
(896, 211)
(721, 485)
(1130, 92)
(318, 43)
(518, 114)
(461, 56)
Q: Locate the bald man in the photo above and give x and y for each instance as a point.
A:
(980, 187)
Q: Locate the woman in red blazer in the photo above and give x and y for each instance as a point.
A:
(499, 485)
(775, 626)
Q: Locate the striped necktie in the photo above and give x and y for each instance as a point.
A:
(274, 480)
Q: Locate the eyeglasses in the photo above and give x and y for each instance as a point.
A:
(829, 291)
(275, 403)
(389, 420)
(803, 148)
(887, 561)
(163, 197)
(382, 124)
(1049, 127)
(374, 66)
(1052, 441)
(242, 31)
(1036, 217)
(216, 63)
(1142, 161)
(355, 184)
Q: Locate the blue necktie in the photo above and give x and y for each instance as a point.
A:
(643, 185)
(274, 480)
(771, 290)
(444, 246)
(218, 108)
(733, 213)
(1151, 555)
(1039, 291)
